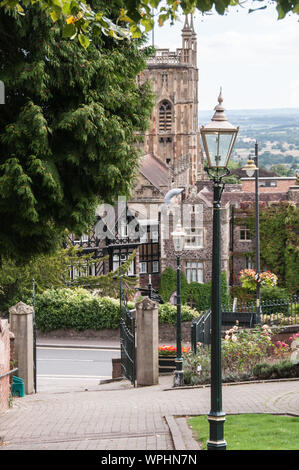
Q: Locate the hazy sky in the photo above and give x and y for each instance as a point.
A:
(254, 57)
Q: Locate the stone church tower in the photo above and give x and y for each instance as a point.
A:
(173, 136)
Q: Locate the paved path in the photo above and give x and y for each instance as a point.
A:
(115, 416)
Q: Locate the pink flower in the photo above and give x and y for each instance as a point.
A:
(278, 343)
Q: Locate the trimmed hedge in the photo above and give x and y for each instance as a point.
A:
(75, 308)
(194, 293)
(79, 309)
(279, 370)
(168, 313)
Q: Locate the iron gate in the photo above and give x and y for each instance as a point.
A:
(127, 340)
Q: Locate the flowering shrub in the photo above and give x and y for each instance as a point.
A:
(242, 349)
(168, 350)
(249, 279)
(242, 354)
(281, 348)
(197, 367)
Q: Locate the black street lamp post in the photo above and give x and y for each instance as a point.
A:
(218, 140)
(251, 169)
(178, 240)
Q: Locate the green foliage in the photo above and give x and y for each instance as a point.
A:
(133, 17)
(274, 293)
(195, 294)
(75, 308)
(53, 271)
(78, 308)
(278, 370)
(256, 432)
(197, 367)
(241, 351)
(168, 313)
(108, 284)
(168, 285)
(68, 131)
(279, 228)
(200, 294)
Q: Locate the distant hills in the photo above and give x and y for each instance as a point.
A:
(276, 131)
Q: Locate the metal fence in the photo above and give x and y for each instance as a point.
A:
(272, 312)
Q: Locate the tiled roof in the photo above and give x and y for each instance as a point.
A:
(155, 171)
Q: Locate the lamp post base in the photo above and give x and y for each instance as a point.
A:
(216, 445)
(178, 378)
(216, 441)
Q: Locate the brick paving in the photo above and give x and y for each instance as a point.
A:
(115, 416)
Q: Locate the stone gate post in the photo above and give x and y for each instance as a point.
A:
(147, 342)
(21, 324)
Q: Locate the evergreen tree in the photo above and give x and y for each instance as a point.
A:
(67, 130)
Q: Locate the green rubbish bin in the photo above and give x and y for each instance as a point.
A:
(17, 388)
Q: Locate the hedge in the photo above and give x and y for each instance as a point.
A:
(168, 313)
(279, 370)
(168, 285)
(79, 309)
(194, 293)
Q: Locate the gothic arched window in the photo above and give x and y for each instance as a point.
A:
(165, 116)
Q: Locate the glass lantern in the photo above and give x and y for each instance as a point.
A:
(218, 138)
(178, 237)
(250, 168)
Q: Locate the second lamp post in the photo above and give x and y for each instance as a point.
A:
(251, 169)
(178, 237)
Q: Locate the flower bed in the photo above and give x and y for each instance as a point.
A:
(167, 357)
(243, 351)
(169, 350)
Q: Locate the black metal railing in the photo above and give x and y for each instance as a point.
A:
(201, 330)
(272, 312)
(127, 340)
(280, 312)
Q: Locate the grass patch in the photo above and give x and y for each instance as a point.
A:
(252, 431)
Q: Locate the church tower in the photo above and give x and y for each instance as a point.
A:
(173, 136)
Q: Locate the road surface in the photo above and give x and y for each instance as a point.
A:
(72, 368)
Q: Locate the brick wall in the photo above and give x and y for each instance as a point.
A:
(4, 365)
(282, 185)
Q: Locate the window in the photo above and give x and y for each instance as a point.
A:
(83, 270)
(143, 267)
(268, 184)
(154, 234)
(155, 267)
(165, 116)
(194, 237)
(143, 234)
(194, 271)
(82, 239)
(123, 230)
(165, 80)
(245, 234)
(119, 259)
